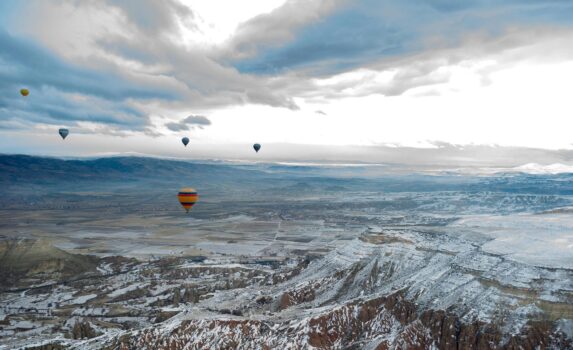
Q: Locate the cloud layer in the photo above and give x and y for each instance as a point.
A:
(190, 122)
(351, 34)
(136, 67)
(126, 61)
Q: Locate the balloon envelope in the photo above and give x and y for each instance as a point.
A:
(24, 92)
(257, 147)
(187, 197)
(63, 133)
(185, 140)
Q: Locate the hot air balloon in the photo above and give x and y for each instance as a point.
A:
(63, 133)
(257, 147)
(187, 197)
(24, 92)
(185, 141)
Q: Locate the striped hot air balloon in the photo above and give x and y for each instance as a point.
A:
(187, 197)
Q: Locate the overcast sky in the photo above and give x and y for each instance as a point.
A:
(309, 80)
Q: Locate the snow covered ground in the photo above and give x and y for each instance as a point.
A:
(536, 239)
(286, 262)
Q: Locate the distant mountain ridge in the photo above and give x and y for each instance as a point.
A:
(23, 168)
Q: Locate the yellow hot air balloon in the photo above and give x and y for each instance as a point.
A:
(187, 197)
(24, 92)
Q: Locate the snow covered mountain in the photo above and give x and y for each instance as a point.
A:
(279, 257)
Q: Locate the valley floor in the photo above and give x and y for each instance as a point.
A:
(293, 258)
(350, 279)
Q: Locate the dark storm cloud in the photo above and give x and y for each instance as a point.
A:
(188, 123)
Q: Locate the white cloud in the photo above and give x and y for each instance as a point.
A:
(507, 89)
(217, 20)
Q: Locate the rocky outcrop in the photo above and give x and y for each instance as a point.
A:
(389, 322)
(295, 297)
(26, 262)
(82, 330)
(54, 346)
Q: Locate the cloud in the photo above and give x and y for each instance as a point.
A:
(118, 62)
(277, 27)
(32, 65)
(191, 121)
(477, 58)
(155, 17)
(61, 92)
(354, 34)
(112, 61)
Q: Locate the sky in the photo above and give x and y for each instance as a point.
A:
(339, 80)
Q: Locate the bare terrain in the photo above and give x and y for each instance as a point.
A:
(281, 257)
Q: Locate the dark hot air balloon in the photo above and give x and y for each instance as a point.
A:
(63, 133)
(257, 147)
(185, 141)
(187, 197)
(24, 92)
